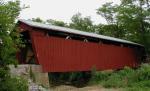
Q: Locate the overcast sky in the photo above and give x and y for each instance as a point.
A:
(62, 9)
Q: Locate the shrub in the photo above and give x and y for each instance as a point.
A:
(73, 78)
(130, 79)
(99, 77)
(144, 72)
(115, 81)
(18, 84)
(14, 84)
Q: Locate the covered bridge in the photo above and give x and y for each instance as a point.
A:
(59, 49)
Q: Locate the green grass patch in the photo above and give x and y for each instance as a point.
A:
(128, 78)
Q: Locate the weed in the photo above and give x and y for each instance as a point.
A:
(128, 78)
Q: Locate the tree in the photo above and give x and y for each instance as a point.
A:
(77, 22)
(56, 22)
(110, 30)
(50, 22)
(9, 12)
(82, 23)
(37, 20)
(131, 18)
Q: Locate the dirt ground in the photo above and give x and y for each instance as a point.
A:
(88, 88)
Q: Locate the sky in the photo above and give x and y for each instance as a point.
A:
(63, 9)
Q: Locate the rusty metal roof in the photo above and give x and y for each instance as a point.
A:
(73, 31)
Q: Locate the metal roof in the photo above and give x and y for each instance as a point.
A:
(73, 31)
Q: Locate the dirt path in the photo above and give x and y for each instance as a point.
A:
(89, 88)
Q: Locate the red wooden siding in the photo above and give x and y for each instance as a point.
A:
(32, 35)
(23, 27)
(60, 55)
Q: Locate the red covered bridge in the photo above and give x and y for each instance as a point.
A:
(59, 49)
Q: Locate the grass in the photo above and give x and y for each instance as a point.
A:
(128, 79)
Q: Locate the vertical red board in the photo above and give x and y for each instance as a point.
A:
(61, 55)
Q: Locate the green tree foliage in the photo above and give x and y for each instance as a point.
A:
(110, 30)
(82, 23)
(130, 20)
(56, 22)
(50, 21)
(77, 22)
(37, 20)
(9, 11)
